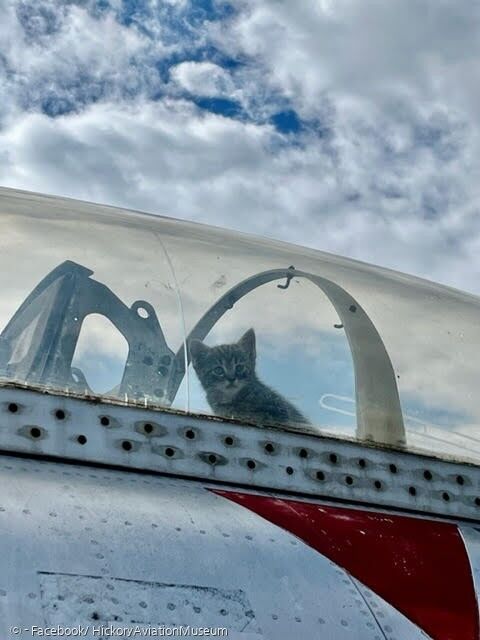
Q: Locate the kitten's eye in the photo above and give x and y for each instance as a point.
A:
(218, 371)
(239, 369)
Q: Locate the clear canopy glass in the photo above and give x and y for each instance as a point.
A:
(130, 307)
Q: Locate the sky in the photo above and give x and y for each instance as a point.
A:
(350, 126)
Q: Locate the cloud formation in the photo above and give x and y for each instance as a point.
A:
(347, 126)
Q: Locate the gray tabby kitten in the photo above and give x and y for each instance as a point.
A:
(227, 374)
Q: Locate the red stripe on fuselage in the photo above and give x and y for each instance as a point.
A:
(418, 566)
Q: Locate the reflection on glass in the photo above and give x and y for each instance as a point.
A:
(101, 354)
(162, 313)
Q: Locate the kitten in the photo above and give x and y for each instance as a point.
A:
(227, 374)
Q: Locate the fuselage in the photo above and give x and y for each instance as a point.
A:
(131, 507)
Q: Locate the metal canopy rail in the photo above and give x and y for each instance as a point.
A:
(208, 449)
(379, 415)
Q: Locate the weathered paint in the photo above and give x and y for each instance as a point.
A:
(419, 566)
(83, 545)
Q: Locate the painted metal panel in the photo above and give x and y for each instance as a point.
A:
(419, 566)
(392, 623)
(70, 533)
(76, 598)
(471, 538)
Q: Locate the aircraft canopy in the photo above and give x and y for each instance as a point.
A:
(98, 301)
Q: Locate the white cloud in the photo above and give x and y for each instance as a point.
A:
(385, 168)
(203, 79)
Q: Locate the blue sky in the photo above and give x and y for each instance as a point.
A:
(348, 125)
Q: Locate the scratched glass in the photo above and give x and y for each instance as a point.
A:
(97, 301)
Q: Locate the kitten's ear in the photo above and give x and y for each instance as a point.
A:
(198, 351)
(247, 342)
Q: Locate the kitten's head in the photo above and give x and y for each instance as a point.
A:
(224, 370)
